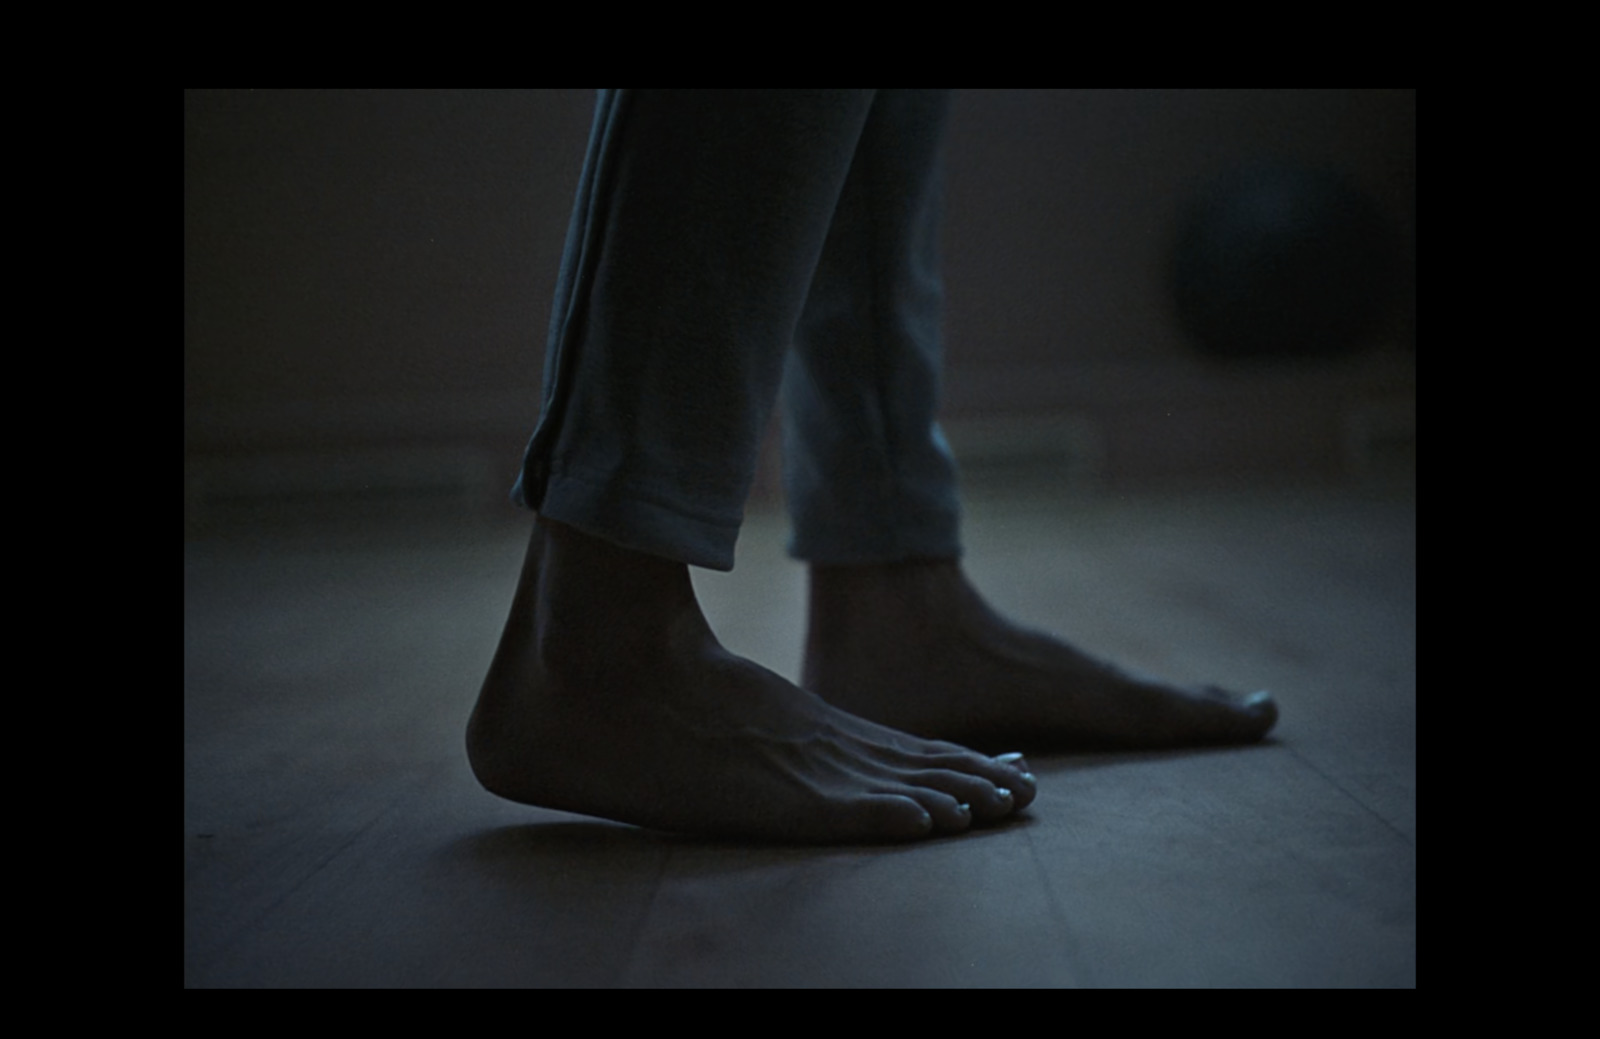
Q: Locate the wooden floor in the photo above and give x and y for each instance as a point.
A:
(333, 835)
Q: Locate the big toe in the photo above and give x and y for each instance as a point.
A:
(1263, 708)
(1252, 717)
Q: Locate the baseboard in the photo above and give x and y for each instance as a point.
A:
(1102, 425)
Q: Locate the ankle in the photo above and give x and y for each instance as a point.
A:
(909, 587)
(884, 609)
(593, 597)
(913, 577)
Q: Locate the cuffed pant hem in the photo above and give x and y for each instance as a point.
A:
(933, 537)
(624, 517)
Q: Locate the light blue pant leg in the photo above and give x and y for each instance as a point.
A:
(868, 475)
(700, 219)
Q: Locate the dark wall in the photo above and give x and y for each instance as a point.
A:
(369, 243)
(1063, 204)
(367, 267)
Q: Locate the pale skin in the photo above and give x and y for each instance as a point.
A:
(610, 696)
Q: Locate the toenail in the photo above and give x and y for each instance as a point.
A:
(1257, 699)
(964, 809)
(1028, 776)
(1007, 759)
(1005, 795)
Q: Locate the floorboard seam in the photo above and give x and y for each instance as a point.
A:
(222, 947)
(1308, 763)
(1081, 976)
(626, 970)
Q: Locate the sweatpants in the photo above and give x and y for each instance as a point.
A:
(726, 248)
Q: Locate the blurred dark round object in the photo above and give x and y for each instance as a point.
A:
(1278, 259)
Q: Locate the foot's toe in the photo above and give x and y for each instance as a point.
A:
(1263, 708)
(1004, 772)
(1024, 787)
(950, 814)
(989, 801)
(1241, 717)
(883, 817)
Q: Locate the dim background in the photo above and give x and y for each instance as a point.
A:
(368, 275)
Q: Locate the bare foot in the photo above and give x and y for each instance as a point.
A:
(913, 646)
(609, 696)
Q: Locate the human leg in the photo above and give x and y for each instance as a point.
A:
(698, 225)
(896, 633)
(699, 221)
(867, 474)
